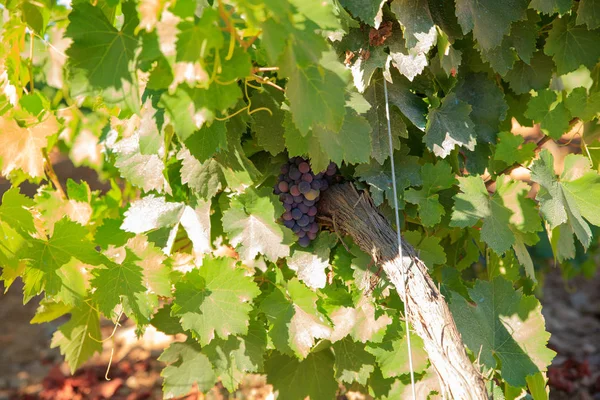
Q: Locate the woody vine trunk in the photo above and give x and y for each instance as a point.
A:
(355, 214)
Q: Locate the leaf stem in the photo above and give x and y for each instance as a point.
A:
(53, 177)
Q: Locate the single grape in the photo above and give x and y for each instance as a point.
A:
(285, 168)
(296, 228)
(301, 233)
(288, 207)
(298, 199)
(288, 199)
(296, 214)
(306, 228)
(298, 160)
(304, 208)
(308, 202)
(283, 186)
(331, 169)
(276, 190)
(304, 167)
(295, 190)
(303, 221)
(304, 241)
(312, 194)
(312, 211)
(294, 173)
(316, 184)
(307, 177)
(311, 235)
(304, 187)
(287, 216)
(314, 227)
(324, 185)
(289, 224)
(311, 219)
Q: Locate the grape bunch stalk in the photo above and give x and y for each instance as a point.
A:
(299, 189)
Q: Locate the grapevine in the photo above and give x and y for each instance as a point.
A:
(242, 198)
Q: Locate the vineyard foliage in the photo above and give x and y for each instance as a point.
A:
(188, 109)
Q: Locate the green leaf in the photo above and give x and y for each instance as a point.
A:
(235, 357)
(364, 67)
(311, 265)
(487, 103)
(99, 49)
(553, 117)
(392, 353)
(14, 211)
(428, 248)
(435, 178)
(205, 179)
(535, 76)
(294, 319)
(117, 280)
(572, 45)
(368, 11)
(551, 6)
(49, 311)
(187, 366)
(268, 125)
(503, 323)
(312, 377)
(511, 149)
(583, 106)
(197, 39)
(473, 204)
(359, 322)
(448, 126)
(214, 300)
(206, 141)
(352, 362)
(320, 13)
(251, 225)
(414, 17)
(79, 338)
(523, 35)
(570, 198)
(488, 19)
(165, 322)
(589, 13)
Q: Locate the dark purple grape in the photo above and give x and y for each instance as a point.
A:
(314, 227)
(311, 235)
(304, 167)
(307, 177)
(304, 187)
(303, 221)
(294, 173)
(296, 214)
(276, 190)
(312, 211)
(288, 207)
(283, 186)
(324, 185)
(311, 219)
(306, 228)
(288, 199)
(304, 208)
(298, 160)
(289, 224)
(295, 190)
(331, 169)
(316, 184)
(298, 199)
(319, 175)
(301, 233)
(285, 168)
(296, 228)
(304, 241)
(308, 202)
(287, 216)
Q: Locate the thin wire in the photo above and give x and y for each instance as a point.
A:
(389, 126)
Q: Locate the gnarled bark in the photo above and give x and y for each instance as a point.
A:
(355, 214)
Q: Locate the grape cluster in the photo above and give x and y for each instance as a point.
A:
(299, 189)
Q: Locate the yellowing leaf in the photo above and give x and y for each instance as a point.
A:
(21, 148)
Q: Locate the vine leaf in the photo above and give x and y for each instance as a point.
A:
(187, 366)
(214, 300)
(369, 11)
(589, 13)
(236, 356)
(414, 17)
(553, 117)
(268, 125)
(428, 247)
(251, 225)
(14, 210)
(572, 45)
(99, 49)
(295, 321)
(21, 148)
(352, 362)
(536, 75)
(359, 322)
(473, 204)
(205, 179)
(79, 338)
(506, 324)
(449, 126)
(551, 6)
(511, 149)
(583, 106)
(570, 198)
(489, 20)
(434, 179)
(311, 265)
